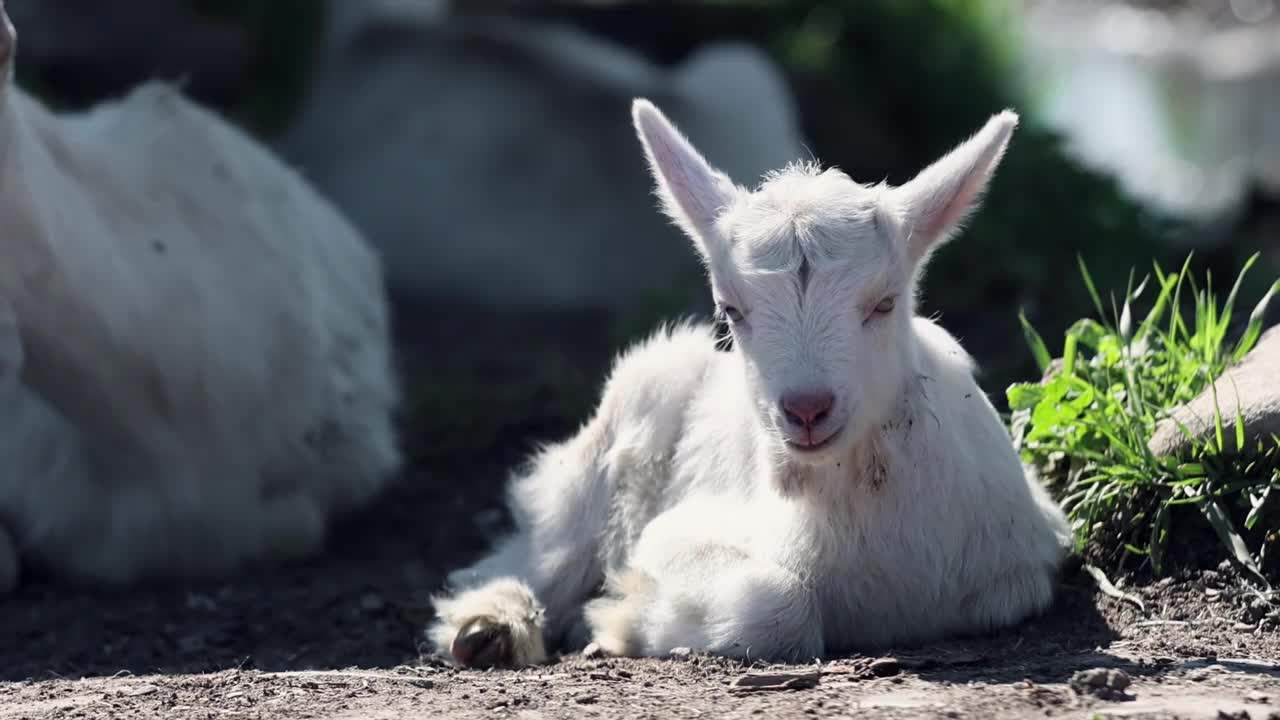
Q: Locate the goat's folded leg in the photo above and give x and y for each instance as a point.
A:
(527, 596)
(497, 624)
(578, 509)
(709, 598)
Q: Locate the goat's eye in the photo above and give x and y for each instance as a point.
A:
(733, 313)
(885, 306)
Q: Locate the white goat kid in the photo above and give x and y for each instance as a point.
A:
(837, 482)
(195, 366)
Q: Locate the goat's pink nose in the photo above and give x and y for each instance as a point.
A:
(807, 408)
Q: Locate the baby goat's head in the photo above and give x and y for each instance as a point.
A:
(816, 275)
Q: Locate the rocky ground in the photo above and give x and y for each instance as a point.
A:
(339, 636)
(1199, 653)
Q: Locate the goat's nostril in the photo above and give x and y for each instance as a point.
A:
(807, 408)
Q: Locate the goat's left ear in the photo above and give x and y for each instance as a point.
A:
(935, 202)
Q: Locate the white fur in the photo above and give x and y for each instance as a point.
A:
(691, 498)
(194, 355)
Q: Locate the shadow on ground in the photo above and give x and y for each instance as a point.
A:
(484, 390)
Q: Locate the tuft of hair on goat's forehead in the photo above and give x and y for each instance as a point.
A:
(805, 217)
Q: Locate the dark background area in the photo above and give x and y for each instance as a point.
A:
(881, 89)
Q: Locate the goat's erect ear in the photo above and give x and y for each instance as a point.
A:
(693, 193)
(937, 201)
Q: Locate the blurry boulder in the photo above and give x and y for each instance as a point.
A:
(1251, 388)
(493, 162)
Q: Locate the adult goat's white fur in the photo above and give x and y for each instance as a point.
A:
(195, 367)
(836, 482)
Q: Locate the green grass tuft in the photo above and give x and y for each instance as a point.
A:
(1085, 427)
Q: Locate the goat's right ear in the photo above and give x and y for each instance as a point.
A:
(693, 193)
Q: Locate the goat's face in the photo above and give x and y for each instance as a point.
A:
(816, 276)
(818, 293)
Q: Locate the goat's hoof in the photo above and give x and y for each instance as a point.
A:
(483, 642)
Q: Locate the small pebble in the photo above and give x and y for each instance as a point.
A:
(593, 651)
(585, 699)
(1258, 697)
(1100, 682)
(766, 681)
(143, 690)
(885, 667)
(681, 653)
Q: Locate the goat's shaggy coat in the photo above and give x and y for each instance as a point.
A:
(837, 482)
(194, 354)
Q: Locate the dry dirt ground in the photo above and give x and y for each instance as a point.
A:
(339, 636)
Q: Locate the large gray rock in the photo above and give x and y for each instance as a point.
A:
(492, 160)
(1252, 387)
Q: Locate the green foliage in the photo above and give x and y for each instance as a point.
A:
(1087, 425)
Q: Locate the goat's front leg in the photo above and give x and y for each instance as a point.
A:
(527, 596)
(687, 586)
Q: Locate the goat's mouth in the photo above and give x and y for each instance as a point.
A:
(813, 442)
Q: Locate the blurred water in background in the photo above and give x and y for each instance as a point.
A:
(1181, 101)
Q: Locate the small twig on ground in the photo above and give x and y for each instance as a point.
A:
(764, 682)
(1111, 590)
(338, 675)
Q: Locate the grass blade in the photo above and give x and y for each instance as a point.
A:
(1231, 540)
(1217, 420)
(1093, 289)
(1239, 424)
(1159, 538)
(1157, 309)
(1230, 304)
(1254, 329)
(1175, 313)
(1257, 505)
(1069, 353)
(1035, 342)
